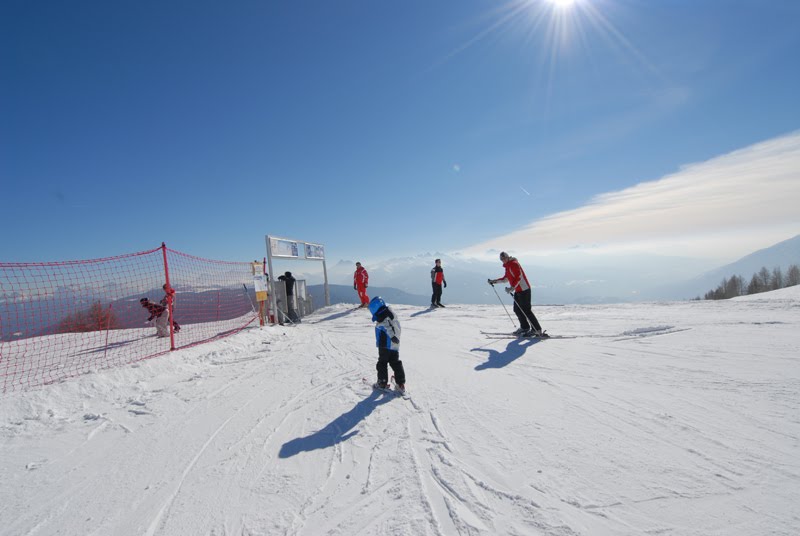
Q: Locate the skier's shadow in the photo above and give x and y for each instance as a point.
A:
(334, 316)
(515, 349)
(337, 431)
(423, 312)
(111, 346)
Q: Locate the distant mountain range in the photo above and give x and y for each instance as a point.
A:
(782, 255)
(346, 294)
(590, 279)
(586, 279)
(577, 277)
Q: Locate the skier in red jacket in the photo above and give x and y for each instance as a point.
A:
(437, 281)
(360, 283)
(521, 288)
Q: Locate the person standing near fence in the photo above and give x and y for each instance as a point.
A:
(160, 313)
(168, 301)
(437, 281)
(360, 283)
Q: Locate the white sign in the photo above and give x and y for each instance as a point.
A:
(260, 284)
(315, 251)
(284, 248)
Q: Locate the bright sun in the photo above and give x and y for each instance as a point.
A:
(562, 4)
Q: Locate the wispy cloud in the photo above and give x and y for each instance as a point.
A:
(725, 207)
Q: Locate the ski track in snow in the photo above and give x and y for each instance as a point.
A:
(657, 418)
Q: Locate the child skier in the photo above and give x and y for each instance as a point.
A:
(160, 313)
(387, 339)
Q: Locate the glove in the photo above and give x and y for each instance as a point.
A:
(444, 283)
(510, 290)
(395, 340)
(490, 281)
(354, 287)
(366, 286)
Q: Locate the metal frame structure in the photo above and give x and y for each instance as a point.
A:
(287, 248)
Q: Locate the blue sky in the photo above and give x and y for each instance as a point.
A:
(376, 128)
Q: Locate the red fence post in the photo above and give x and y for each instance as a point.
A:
(108, 328)
(169, 298)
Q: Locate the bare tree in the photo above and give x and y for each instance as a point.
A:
(792, 276)
(734, 287)
(776, 279)
(764, 279)
(95, 318)
(755, 285)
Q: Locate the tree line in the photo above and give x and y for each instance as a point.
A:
(762, 281)
(95, 318)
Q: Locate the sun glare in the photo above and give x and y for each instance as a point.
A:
(556, 30)
(562, 4)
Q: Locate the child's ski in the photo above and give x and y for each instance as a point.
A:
(399, 392)
(388, 389)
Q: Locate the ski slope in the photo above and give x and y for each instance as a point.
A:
(659, 418)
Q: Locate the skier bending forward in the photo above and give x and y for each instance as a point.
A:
(387, 339)
(160, 313)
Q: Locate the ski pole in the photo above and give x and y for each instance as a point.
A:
(286, 316)
(503, 304)
(253, 307)
(530, 320)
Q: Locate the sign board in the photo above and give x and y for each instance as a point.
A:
(298, 250)
(284, 248)
(315, 251)
(260, 284)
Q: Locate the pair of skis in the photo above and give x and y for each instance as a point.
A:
(505, 335)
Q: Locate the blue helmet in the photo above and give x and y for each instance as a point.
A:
(376, 304)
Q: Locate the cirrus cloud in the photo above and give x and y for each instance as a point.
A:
(724, 207)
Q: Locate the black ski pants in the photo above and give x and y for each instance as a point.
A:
(436, 299)
(522, 308)
(390, 358)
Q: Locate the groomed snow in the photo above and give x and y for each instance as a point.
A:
(667, 418)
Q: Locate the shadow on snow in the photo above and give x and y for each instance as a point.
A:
(334, 316)
(496, 359)
(337, 431)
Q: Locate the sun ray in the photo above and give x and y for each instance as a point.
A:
(562, 4)
(511, 12)
(552, 31)
(607, 29)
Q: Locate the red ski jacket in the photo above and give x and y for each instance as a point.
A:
(515, 275)
(155, 309)
(437, 275)
(361, 277)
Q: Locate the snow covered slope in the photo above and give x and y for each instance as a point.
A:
(669, 418)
